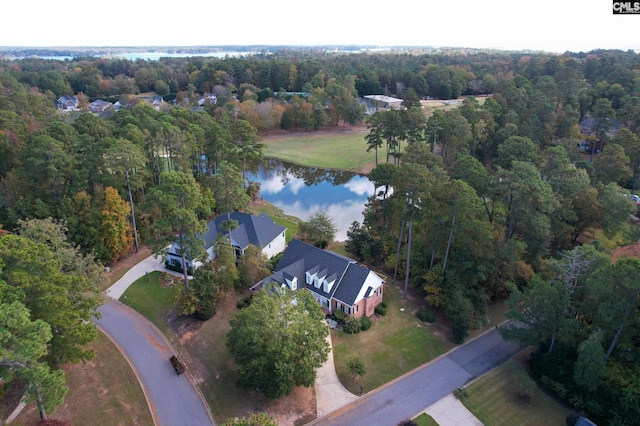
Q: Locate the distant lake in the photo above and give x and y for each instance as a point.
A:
(154, 56)
(149, 56)
(300, 191)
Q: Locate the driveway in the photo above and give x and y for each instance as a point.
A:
(149, 264)
(173, 400)
(410, 394)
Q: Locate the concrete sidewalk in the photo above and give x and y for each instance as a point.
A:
(449, 411)
(330, 394)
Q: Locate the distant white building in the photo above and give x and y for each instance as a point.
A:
(207, 98)
(386, 102)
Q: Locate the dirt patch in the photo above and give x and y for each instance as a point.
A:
(183, 325)
(295, 409)
(11, 394)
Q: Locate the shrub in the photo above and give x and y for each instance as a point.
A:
(460, 328)
(383, 304)
(273, 262)
(321, 244)
(381, 310)
(339, 316)
(407, 422)
(244, 302)
(351, 325)
(478, 323)
(461, 393)
(205, 312)
(365, 323)
(356, 367)
(177, 268)
(426, 315)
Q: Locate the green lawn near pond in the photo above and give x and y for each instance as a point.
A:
(395, 344)
(278, 216)
(336, 150)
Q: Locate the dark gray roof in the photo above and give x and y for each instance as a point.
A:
(351, 284)
(300, 257)
(258, 230)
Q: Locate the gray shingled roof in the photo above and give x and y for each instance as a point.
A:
(257, 230)
(351, 284)
(300, 257)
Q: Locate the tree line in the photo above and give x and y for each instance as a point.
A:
(490, 200)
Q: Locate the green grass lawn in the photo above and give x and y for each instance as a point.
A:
(425, 420)
(395, 344)
(491, 398)
(151, 300)
(336, 150)
(278, 216)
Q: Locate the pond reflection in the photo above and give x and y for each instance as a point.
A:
(299, 191)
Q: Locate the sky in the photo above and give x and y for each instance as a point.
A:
(548, 25)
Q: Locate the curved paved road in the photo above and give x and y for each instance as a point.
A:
(410, 394)
(173, 400)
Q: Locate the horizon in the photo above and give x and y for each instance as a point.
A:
(549, 26)
(199, 50)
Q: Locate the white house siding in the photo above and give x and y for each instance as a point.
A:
(373, 281)
(277, 246)
(323, 301)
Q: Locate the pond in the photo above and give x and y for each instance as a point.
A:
(299, 191)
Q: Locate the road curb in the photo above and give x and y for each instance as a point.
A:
(173, 349)
(154, 415)
(399, 378)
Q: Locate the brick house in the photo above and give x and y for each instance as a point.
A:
(337, 282)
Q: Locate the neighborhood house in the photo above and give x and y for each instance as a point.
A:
(336, 281)
(69, 103)
(260, 231)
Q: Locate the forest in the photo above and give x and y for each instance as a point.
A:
(511, 195)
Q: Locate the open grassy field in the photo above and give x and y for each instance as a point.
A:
(492, 398)
(343, 150)
(431, 105)
(103, 391)
(338, 149)
(396, 343)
